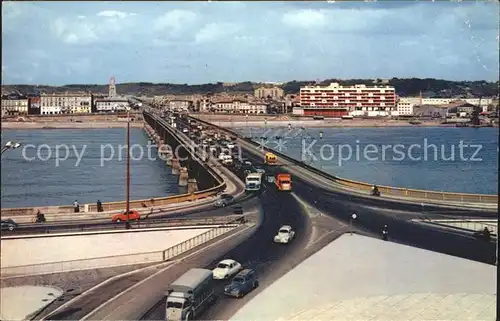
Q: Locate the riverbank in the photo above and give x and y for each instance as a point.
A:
(70, 125)
(325, 123)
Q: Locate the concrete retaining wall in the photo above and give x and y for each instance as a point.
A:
(107, 250)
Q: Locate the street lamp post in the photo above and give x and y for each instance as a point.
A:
(127, 224)
(10, 145)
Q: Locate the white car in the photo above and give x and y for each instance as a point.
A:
(225, 269)
(185, 130)
(230, 145)
(285, 234)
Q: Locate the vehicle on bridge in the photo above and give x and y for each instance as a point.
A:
(242, 283)
(226, 268)
(253, 182)
(224, 200)
(123, 217)
(283, 182)
(270, 159)
(189, 295)
(8, 224)
(285, 235)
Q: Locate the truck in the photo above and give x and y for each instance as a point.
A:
(253, 182)
(270, 159)
(189, 295)
(283, 182)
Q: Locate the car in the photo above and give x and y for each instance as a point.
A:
(242, 283)
(225, 269)
(132, 216)
(259, 170)
(224, 200)
(8, 224)
(285, 234)
(185, 130)
(230, 145)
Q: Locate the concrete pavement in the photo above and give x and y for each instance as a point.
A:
(22, 302)
(368, 278)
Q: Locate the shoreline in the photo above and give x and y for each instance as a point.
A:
(327, 124)
(69, 125)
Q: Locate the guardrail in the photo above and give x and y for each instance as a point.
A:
(470, 225)
(83, 226)
(120, 205)
(385, 190)
(117, 260)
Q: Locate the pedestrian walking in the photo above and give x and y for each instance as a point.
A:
(76, 206)
(99, 206)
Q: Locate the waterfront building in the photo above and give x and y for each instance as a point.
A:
(179, 104)
(238, 106)
(110, 104)
(405, 105)
(65, 103)
(273, 93)
(14, 105)
(335, 100)
(34, 104)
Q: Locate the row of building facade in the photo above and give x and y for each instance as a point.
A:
(332, 100)
(61, 103)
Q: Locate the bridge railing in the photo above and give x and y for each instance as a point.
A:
(361, 186)
(117, 260)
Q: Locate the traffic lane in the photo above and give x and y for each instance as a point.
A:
(381, 202)
(248, 202)
(403, 231)
(402, 210)
(258, 251)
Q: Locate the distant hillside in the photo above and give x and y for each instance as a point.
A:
(404, 87)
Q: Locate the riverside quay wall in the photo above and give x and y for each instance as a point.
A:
(209, 182)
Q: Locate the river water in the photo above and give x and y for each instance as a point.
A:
(31, 175)
(432, 158)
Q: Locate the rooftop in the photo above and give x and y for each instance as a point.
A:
(372, 279)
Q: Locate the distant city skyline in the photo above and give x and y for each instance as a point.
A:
(57, 43)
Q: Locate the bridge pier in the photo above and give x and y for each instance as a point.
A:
(176, 166)
(183, 177)
(192, 185)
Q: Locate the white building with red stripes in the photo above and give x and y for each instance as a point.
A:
(335, 100)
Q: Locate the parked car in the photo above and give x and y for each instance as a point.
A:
(185, 130)
(9, 224)
(226, 268)
(132, 216)
(224, 200)
(285, 234)
(243, 283)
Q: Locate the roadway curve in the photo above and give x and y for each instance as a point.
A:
(282, 208)
(258, 251)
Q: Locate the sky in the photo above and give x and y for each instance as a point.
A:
(57, 43)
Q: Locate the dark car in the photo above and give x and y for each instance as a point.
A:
(9, 224)
(242, 283)
(238, 210)
(224, 200)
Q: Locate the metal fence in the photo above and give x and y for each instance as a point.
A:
(471, 225)
(387, 190)
(117, 260)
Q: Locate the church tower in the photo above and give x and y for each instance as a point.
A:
(112, 87)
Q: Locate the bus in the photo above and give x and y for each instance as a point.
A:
(270, 159)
